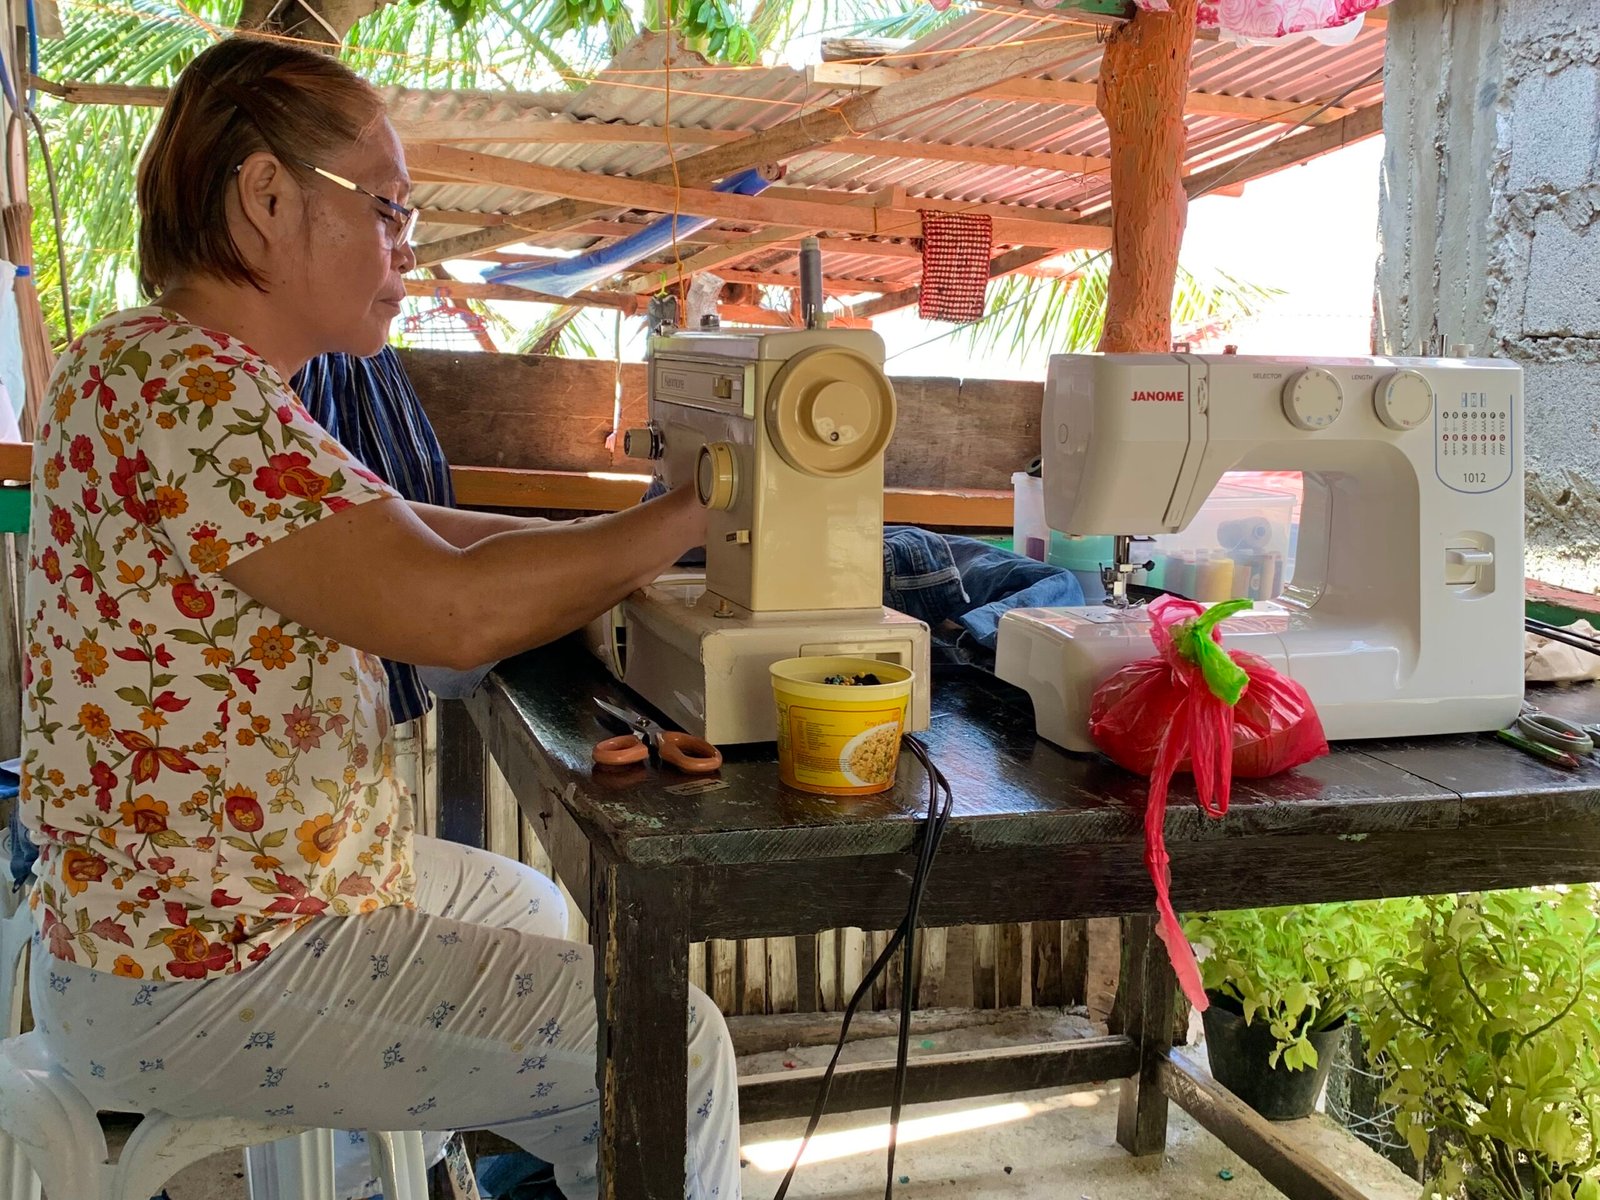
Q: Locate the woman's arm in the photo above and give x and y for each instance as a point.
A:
(375, 576)
(462, 527)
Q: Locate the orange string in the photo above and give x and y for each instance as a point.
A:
(672, 157)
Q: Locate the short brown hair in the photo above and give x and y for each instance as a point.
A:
(243, 95)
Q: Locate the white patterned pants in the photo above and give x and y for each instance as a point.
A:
(470, 1012)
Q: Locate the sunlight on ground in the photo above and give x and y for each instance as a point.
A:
(774, 1157)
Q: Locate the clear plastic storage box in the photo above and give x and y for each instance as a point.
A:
(1240, 544)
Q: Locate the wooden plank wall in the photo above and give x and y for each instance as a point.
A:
(535, 412)
(525, 411)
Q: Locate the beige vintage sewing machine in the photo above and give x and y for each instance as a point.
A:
(783, 435)
(1404, 614)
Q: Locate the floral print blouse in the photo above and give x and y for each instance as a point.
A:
(203, 775)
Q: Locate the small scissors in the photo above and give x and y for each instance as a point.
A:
(647, 740)
(1557, 733)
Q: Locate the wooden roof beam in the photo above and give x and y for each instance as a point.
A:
(1288, 151)
(745, 241)
(832, 285)
(899, 198)
(960, 76)
(628, 303)
(844, 76)
(1024, 227)
(542, 132)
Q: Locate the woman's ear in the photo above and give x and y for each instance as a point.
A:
(270, 205)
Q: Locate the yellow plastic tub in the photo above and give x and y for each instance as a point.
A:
(838, 739)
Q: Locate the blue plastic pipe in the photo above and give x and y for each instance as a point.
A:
(572, 275)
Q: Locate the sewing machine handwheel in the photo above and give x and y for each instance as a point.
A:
(830, 412)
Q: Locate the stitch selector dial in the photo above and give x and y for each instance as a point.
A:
(1312, 399)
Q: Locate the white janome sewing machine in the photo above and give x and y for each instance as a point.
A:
(1404, 615)
(783, 435)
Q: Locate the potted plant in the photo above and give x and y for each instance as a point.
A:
(1489, 1035)
(1282, 982)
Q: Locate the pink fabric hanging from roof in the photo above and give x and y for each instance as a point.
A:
(1272, 18)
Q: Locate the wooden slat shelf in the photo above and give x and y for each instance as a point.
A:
(499, 487)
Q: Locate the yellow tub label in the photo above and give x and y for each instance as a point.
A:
(839, 751)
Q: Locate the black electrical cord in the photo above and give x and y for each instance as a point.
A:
(1560, 633)
(932, 831)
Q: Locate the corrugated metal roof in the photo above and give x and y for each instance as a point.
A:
(634, 91)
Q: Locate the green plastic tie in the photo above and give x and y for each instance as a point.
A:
(1194, 641)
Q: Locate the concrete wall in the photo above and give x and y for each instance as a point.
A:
(1491, 230)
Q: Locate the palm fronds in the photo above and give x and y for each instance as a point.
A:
(148, 42)
(1029, 316)
(96, 147)
(570, 333)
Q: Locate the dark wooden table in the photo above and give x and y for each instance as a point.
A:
(1037, 834)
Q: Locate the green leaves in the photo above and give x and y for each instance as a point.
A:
(1489, 1033)
(715, 27)
(1298, 969)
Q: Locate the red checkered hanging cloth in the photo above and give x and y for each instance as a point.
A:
(956, 248)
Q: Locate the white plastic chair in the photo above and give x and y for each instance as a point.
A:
(50, 1134)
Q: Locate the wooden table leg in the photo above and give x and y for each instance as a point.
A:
(463, 777)
(1144, 1012)
(641, 981)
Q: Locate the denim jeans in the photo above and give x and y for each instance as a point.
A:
(941, 580)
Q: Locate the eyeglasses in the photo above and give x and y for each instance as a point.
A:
(399, 218)
(402, 220)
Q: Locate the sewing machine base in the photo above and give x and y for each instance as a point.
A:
(1356, 676)
(709, 674)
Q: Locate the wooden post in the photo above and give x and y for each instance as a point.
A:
(1144, 77)
(641, 987)
(1144, 1013)
(463, 777)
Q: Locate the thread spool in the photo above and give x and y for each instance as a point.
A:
(1272, 576)
(1244, 533)
(1249, 576)
(1245, 578)
(1213, 580)
(1180, 574)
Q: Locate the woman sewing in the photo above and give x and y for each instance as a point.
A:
(237, 916)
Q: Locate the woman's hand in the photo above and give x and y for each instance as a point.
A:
(375, 576)
(693, 514)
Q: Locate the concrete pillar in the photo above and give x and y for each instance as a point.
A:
(1490, 226)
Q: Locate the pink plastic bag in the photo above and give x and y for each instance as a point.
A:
(1201, 709)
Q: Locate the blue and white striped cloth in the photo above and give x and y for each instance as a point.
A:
(369, 405)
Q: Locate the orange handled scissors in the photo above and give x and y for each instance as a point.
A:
(647, 740)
